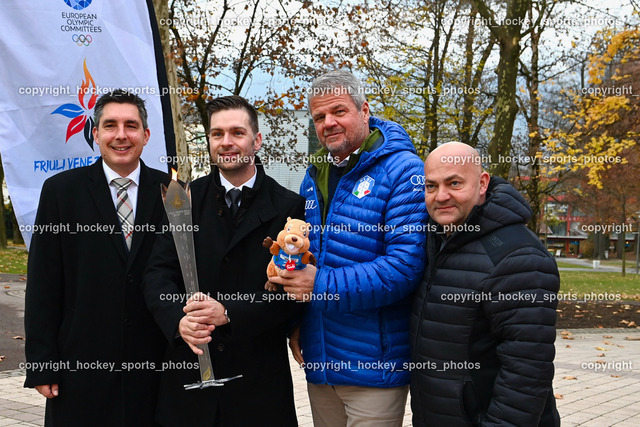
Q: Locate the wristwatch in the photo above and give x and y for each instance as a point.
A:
(227, 316)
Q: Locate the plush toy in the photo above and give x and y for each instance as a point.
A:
(291, 250)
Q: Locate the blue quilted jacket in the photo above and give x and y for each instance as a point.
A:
(370, 256)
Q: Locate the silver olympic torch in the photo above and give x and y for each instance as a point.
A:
(177, 203)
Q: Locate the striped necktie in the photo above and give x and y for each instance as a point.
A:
(125, 211)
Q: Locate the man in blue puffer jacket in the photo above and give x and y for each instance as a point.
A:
(364, 193)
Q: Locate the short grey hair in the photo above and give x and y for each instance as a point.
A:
(337, 82)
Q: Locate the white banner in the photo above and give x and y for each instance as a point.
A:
(58, 57)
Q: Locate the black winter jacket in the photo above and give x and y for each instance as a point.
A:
(483, 321)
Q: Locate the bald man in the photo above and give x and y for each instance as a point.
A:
(483, 319)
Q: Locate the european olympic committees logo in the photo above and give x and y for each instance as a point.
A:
(80, 115)
(78, 4)
(81, 39)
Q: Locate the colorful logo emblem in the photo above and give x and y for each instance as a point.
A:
(363, 186)
(80, 115)
(78, 4)
(81, 39)
(290, 265)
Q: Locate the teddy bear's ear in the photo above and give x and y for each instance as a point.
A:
(288, 218)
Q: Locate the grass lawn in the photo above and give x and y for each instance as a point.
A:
(587, 282)
(574, 282)
(13, 261)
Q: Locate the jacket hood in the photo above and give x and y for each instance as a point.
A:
(503, 206)
(395, 138)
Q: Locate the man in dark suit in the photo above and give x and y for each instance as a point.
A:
(244, 326)
(92, 347)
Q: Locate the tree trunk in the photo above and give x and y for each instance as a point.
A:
(621, 237)
(162, 14)
(17, 235)
(3, 228)
(508, 37)
(535, 140)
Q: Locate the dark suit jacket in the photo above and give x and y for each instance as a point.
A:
(231, 263)
(84, 303)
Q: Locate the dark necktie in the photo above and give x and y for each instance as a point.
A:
(233, 199)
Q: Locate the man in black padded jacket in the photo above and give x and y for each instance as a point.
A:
(483, 320)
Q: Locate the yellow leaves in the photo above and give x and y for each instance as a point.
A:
(622, 46)
(594, 140)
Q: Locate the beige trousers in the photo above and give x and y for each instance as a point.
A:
(353, 406)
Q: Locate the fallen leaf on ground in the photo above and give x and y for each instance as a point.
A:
(569, 377)
(18, 337)
(600, 355)
(631, 324)
(567, 346)
(2, 358)
(632, 338)
(615, 376)
(565, 333)
(558, 396)
(601, 349)
(607, 336)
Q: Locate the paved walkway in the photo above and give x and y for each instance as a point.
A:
(582, 264)
(597, 383)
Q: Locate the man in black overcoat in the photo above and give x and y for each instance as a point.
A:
(244, 326)
(92, 347)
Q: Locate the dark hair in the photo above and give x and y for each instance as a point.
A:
(233, 102)
(120, 96)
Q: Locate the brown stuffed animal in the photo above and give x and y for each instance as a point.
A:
(291, 250)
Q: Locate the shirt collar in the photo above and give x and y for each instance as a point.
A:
(111, 174)
(229, 186)
(344, 162)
